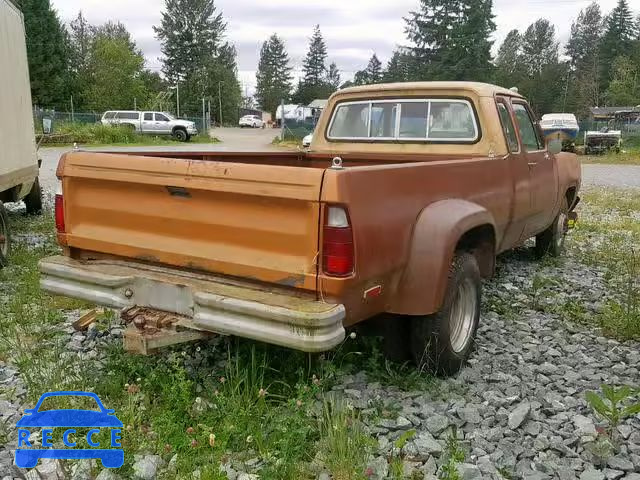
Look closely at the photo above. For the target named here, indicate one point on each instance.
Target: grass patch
(625, 157)
(286, 143)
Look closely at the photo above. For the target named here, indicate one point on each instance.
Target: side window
(148, 117)
(383, 120)
(413, 120)
(350, 121)
(161, 118)
(508, 128)
(530, 139)
(109, 115)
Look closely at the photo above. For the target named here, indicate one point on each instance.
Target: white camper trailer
(18, 157)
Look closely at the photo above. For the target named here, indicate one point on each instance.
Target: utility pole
(220, 100)
(135, 103)
(204, 124)
(72, 112)
(178, 99)
(209, 111)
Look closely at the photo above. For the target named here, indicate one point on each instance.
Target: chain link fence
(57, 119)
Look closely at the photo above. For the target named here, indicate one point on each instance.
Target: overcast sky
(353, 29)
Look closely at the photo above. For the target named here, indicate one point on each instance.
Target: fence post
(204, 125)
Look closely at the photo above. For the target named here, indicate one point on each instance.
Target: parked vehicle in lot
(391, 220)
(602, 141)
(152, 123)
(252, 121)
(18, 152)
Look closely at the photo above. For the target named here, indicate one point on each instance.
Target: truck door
(542, 174)
(519, 170)
(162, 124)
(148, 125)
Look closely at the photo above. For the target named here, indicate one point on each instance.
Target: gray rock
(47, 469)
(247, 476)
(469, 471)
(379, 468)
(620, 463)
(424, 442)
(82, 470)
(632, 476)
(584, 426)
(436, 424)
(146, 467)
(324, 476)
(519, 415)
(470, 415)
(592, 474)
(107, 474)
(612, 474)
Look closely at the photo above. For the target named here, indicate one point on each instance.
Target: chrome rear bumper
(212, 304)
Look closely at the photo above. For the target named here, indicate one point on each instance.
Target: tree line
(451, 40)
(101, 66)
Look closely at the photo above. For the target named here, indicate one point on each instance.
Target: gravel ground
(611, 175)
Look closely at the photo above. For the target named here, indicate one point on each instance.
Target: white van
(18, 157)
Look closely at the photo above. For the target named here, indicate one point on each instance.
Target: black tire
(551, 241)
(33, 201)
(180, 134)
(436, 342)
(5, 237)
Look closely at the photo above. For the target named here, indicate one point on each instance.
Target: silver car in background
(152, 123)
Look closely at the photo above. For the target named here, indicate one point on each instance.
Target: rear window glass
(128, 115)
(438, 120)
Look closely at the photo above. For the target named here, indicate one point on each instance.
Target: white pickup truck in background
(152, 123)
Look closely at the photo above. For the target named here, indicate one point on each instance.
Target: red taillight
(337, 243)
(59, 211)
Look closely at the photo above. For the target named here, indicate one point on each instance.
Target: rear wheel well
(480, 242)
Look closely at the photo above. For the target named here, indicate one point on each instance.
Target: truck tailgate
(246, 220)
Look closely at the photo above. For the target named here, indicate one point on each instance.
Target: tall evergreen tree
(196, 55)
(314, 65)
(191, 32)
(333, 77)
(274, 75)
(397, 69)
(80, 42)
(374, 70)
(624, 88)
(315, 83)
(617, 40)
(450, 39)
(509, 60)
(47, 52)
(545, 83)
(582, 49)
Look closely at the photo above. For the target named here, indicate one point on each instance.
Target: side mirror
(554, 145)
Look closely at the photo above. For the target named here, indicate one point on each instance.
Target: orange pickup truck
(406, 196)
